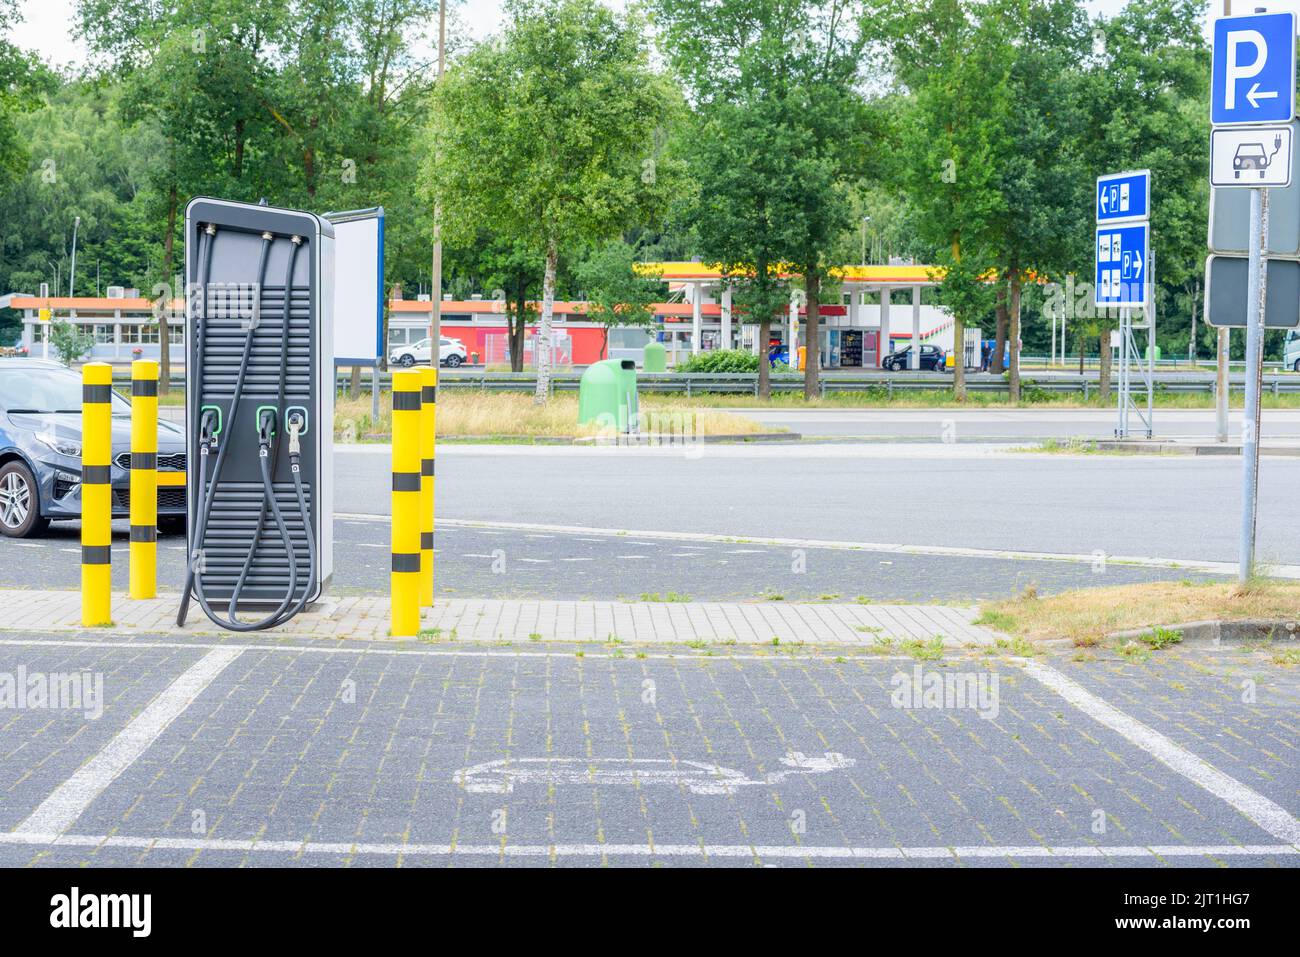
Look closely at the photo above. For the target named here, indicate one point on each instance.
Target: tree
(545, 138)
(69, 340)
(1144, 97)
(777, 136)
(953, 61)
(1044, 186)
(741, 218)
(617, 293)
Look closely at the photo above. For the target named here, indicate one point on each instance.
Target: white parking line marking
(70, 799)
(778, 851)
(1273, 818)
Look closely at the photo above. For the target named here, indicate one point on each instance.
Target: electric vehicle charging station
(259, 411)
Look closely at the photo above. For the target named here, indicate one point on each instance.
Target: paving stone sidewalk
(472, 619)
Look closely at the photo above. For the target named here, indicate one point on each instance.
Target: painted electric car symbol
(1252, 156)
(698, 777)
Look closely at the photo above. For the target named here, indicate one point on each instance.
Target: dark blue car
(40, 452)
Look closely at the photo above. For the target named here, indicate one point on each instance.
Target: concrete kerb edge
(1218, 632)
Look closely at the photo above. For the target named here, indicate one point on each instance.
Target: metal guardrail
(886, 383)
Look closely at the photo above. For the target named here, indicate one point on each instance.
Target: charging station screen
(358, 288)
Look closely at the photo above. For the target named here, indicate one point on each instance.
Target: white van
(1291, 350)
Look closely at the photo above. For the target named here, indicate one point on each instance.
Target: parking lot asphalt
(503, 562)
(231, 753)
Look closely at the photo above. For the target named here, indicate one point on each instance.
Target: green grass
(931, 650)
(671, 596)
(1158, 638)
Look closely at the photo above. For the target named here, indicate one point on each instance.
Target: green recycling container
(1147, 353)
(656, 358)
(607, 394)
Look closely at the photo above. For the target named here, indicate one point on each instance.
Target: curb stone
(1223, 632)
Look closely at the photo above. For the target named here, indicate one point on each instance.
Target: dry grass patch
(465, 413)
(1087, 615)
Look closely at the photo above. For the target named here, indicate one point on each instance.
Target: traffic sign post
(1122, 278)
(1121, 265)
(1124, 197)
(1252, 77)
(1226, 281)
(1256, 295)
(1252, 82)
(1250, 156)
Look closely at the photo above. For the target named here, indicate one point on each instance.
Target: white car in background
(1291, 350)
(451, 354)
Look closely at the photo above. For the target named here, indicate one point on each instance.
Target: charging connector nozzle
(294, 424)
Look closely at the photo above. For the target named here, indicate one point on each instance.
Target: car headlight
(68, 447)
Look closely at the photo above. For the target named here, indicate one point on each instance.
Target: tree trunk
(764, 366)
(542, 350)
(959, 358)
(812, 351)
(1103, 374)
(1000, 333)
(164, 335)
(516, 343)
(354, 386)
(1013, 338)
(516, 326)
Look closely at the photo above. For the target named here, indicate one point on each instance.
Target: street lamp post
(72, 271)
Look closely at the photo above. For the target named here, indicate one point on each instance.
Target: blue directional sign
(1122, 257)
(1122, 197)
(1252, 79)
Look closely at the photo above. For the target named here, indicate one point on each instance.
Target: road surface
(1163, 506)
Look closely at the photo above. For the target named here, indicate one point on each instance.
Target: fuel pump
(259, 411)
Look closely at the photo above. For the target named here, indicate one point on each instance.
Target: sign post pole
(1256, 293)
(1221, 386)
(1252, 106)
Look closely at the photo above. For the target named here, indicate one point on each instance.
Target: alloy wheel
(15, 500)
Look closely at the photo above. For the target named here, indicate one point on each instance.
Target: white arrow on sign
(1255, 96)
(1137, 267)
(1105, 201)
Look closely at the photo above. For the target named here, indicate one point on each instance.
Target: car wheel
(171, 524)
(453, 361)
(20, 504)
(406, 361)
(1297, 365)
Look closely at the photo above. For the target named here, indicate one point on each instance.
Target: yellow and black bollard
(144, 479)
(405, 578)
(96, 493)
(428, 409)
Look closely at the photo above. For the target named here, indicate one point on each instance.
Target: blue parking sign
(1123, 197)
(1252, 78)
(1122, 257)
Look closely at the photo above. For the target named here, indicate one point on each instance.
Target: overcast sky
(46, 24)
